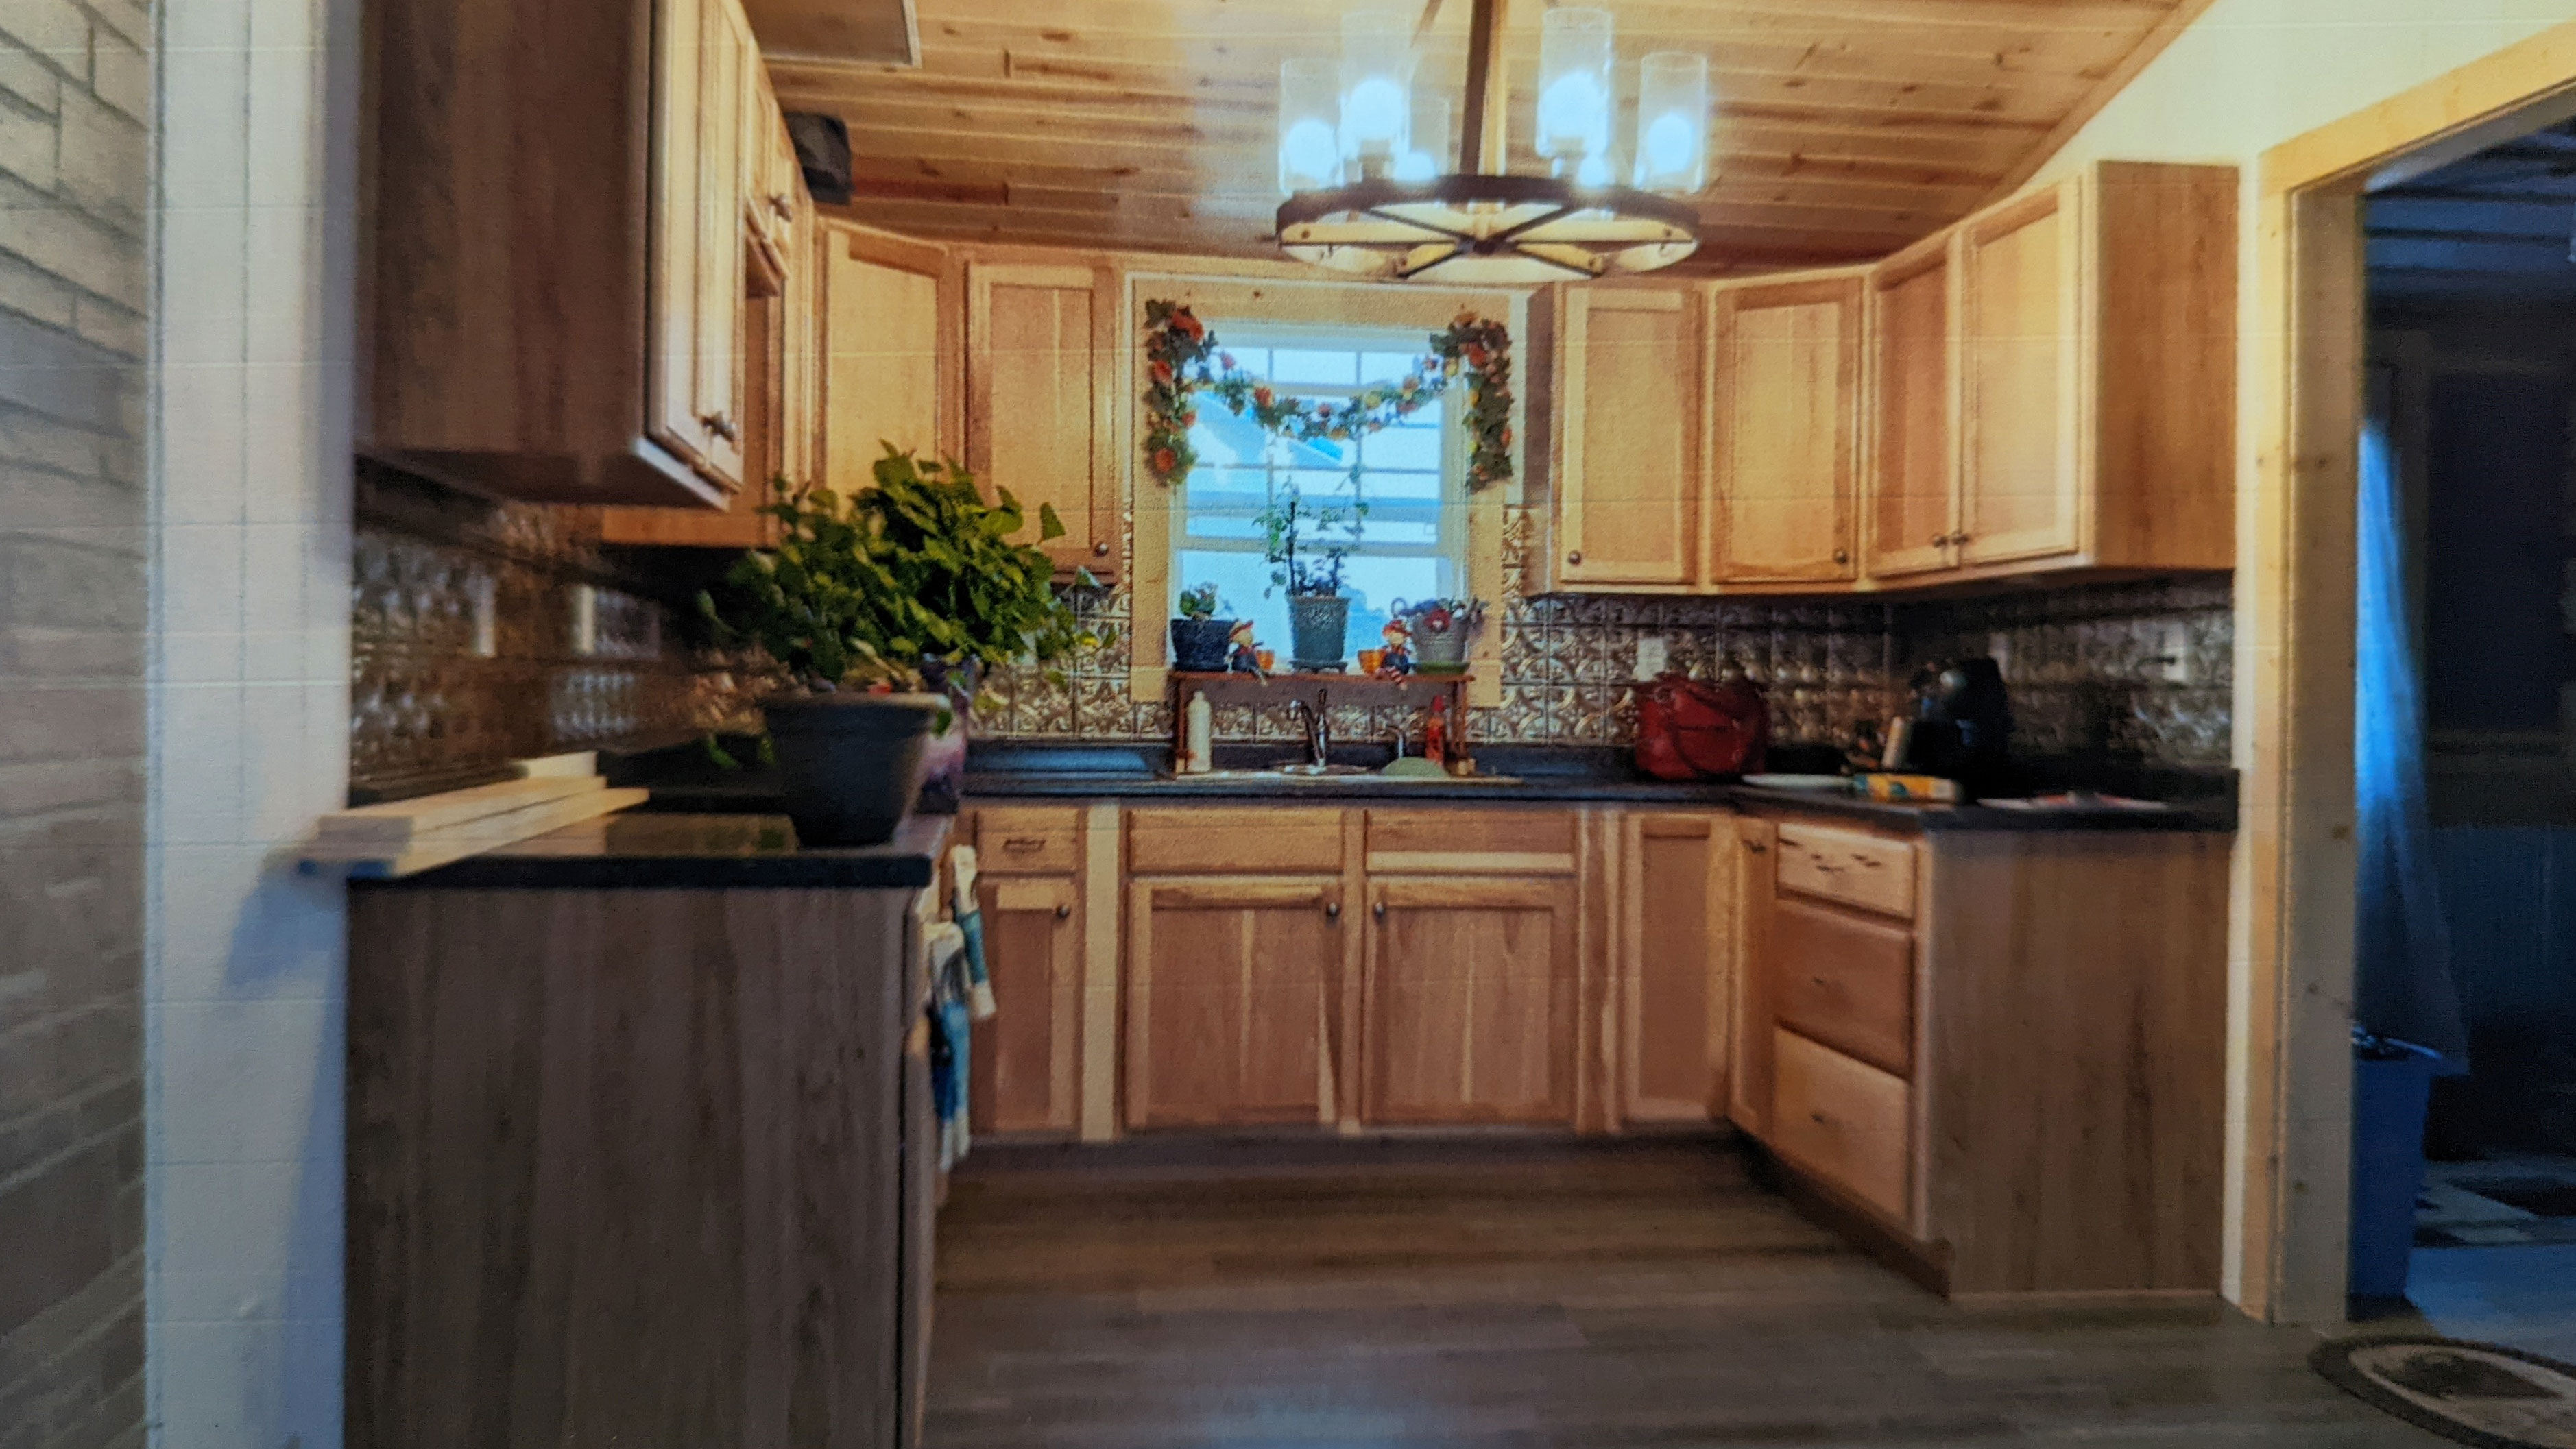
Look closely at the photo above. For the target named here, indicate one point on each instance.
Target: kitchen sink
(1335, 775)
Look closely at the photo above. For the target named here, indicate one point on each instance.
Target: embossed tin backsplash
(486, 632)
(2087, 665)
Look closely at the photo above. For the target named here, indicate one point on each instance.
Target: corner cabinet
(1629, 456)
(1042, 349)
(1784, 420)
(560, 266)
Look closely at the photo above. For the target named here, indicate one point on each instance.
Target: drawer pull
(1820, 981)
(1063, 912)
(1023, 844)
(1820, 1119)
(1332, 910)
(1379, 910)
(1754, 846)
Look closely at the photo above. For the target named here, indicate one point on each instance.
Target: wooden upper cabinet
(886, 351)
(1470, 1013)
(1784, 429)
(2022, 343)
(1042, 344)
(1226, 999)
(1629, 456)
(556, 274)
(1911, 505)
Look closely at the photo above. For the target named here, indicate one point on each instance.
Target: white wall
(2245, 77)
(244, 983)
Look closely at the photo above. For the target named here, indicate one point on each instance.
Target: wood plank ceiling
(1844, 128)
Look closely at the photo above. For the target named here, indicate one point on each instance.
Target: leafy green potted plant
(1198, 636)
(1319, 614)
(854, 599)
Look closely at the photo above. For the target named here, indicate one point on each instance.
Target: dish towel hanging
(961, 994)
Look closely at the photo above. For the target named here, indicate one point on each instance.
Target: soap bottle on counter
(1200, 735)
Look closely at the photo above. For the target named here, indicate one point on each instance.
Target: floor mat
(2470, 1393)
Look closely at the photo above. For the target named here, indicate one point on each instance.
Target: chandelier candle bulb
(1310, 146)
(1672, 123)
(1574, 95)
(1377, 91)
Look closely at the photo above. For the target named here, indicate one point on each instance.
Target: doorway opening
(2465, 745)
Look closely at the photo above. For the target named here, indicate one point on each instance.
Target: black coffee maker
(1962, 725)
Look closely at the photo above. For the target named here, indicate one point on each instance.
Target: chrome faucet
(1319, 735)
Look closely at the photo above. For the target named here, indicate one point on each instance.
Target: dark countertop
(2204, 801)
(664, 850)
(1545, 774)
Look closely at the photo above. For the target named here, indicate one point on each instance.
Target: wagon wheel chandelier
(1358, 149)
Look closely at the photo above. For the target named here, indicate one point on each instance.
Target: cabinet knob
(1755, 846)
(1100, 549)
(1958, 538)
(1575, 557)
(1063, 911)
(779, 202)
(1940, 540)
(1842, 555)
(1332, 910)
(1379, 910)
(1820, 1119)
(720, 424)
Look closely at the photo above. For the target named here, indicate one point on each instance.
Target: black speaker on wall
(823, 150)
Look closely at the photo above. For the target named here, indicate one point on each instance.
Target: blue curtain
(2404, 987)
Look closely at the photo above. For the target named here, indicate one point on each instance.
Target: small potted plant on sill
(855, 599)
(1441, 630)
(1319, 614)
(1198, 636)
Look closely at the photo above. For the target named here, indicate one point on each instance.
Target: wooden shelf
(1278, 689)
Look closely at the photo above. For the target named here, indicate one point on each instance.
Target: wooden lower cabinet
(2021, 1075)
(1678, 897)
(1471, 1000)
(1022, 1070)
(1227, 998)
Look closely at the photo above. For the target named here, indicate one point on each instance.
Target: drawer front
(1256, 840)
(1028, 839)
(1843, 1120)
(1845, 979)
(1472, 841)
(1868, 871)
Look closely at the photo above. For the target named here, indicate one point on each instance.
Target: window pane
(1376, 584)
(1388, 366)
(1227, 487)
(1240, 579)
(1318, 365)
(1403, 447)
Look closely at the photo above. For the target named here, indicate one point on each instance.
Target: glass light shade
(1310, 146)
(1431, 150)
(1672, 123)
(1574, 95)
(1377, 90)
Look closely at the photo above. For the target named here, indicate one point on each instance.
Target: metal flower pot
(1440, 651)
(1318, 628)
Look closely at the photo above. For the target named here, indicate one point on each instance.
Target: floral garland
(1182, 358)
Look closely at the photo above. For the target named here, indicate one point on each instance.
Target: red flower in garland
(1260, 396)
(1162, 372)
(1165, 460)
(1184, 321)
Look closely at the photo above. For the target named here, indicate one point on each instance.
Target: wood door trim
(1471, 862)
(1208, 891)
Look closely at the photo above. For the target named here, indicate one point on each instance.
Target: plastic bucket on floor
(2391, 1082)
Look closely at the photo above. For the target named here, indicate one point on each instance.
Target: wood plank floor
(1391, 1294)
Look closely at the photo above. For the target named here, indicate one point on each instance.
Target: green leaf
(1049, 526)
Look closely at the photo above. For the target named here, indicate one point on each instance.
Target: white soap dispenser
(1201, 735)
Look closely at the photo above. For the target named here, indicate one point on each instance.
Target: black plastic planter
(851, 764)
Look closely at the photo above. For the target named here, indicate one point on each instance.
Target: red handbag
(1688, 729)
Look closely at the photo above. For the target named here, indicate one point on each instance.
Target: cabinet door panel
(1748, 1100)
(1471, 1002)
(672, 411)
(1679, 891)
(1845, 1121)
(1786, 393)
(1845, 980)
(1629, 461)
(1023, 1073)
(881, 368)
(1914, 473)
(1039, 394)
(723, 97)
(2021, 483)
(1225, 1000)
